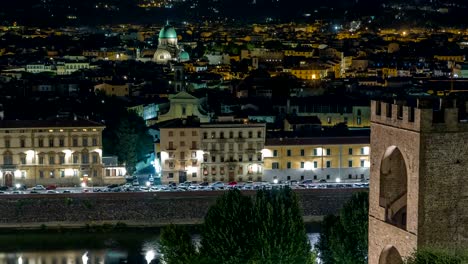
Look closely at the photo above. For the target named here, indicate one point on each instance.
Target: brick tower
(419, 178)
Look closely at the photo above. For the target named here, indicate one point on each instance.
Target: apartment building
(180, 152)
(330, 159)
(222, 151)
(64, 152)
(232, 151)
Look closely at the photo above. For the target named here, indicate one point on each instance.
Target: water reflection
(114, 250)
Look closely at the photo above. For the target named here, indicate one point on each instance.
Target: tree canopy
(343, 238)
(239, 229)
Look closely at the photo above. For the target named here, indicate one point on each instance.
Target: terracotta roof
(4, 124)
(316, 141)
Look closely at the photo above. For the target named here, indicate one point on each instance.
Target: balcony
(9, 166)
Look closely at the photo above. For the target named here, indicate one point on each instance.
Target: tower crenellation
(426, 115)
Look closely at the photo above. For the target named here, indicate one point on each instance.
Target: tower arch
(394, 187)
(390, 255)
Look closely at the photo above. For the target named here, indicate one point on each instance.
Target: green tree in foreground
(343, 238)
(176, 245)
(241, 230)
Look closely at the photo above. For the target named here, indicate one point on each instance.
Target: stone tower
(419, 172)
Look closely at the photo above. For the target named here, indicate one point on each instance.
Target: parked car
(307, 182)
(51, 187)
(204, 183)
(51, 191)
(217, 185)
(39, 188)
(66, 191)
(232, 184)
(136, 183)
(3, 188)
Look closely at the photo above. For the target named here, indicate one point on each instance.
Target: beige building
(330, 159)
(181, 155)
(211, 152)
(61, 152)
(232, 151)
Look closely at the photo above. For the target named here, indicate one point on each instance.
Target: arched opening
(390, 255)
(394, 187)
(8, 180)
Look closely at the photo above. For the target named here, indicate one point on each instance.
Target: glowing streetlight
(85, 258)
(149, 256)
(275, 181)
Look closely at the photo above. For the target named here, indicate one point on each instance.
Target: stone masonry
(419, 166)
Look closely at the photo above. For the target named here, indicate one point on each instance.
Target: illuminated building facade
(330, 159)
(232, 151)
(180, 151)
(211, 152)
(61, 152)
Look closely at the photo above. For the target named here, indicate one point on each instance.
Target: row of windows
(230, 146)
(214, 146)
(51, 173)
(51, 142)
(8, 159)
(240, 134)
(350, 176)
(182, 133)
(221, 158)
(46, 130)
(322, 152)
(328, 164)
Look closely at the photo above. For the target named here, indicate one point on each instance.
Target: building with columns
(63, 152)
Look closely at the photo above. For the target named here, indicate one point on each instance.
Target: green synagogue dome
(167, 32)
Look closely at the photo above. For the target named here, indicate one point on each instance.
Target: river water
(84, 248)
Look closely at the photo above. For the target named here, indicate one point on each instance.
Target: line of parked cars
(186, 186)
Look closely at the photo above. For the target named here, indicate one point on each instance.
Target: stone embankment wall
(139, 209)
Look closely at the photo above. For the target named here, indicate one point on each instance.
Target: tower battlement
(427, 115)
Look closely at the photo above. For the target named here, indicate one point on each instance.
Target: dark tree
(343, 239)
(227, 232)
(176, 245)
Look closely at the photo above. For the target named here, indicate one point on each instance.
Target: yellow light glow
(319, 151)
(68, 172)
(200, 154)
(308, 165)
(366, 164)
(51, 130)
(314, 76)
(365, 150)
(98, 151)
(267, 153)
(164, 156)
(191, 169)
